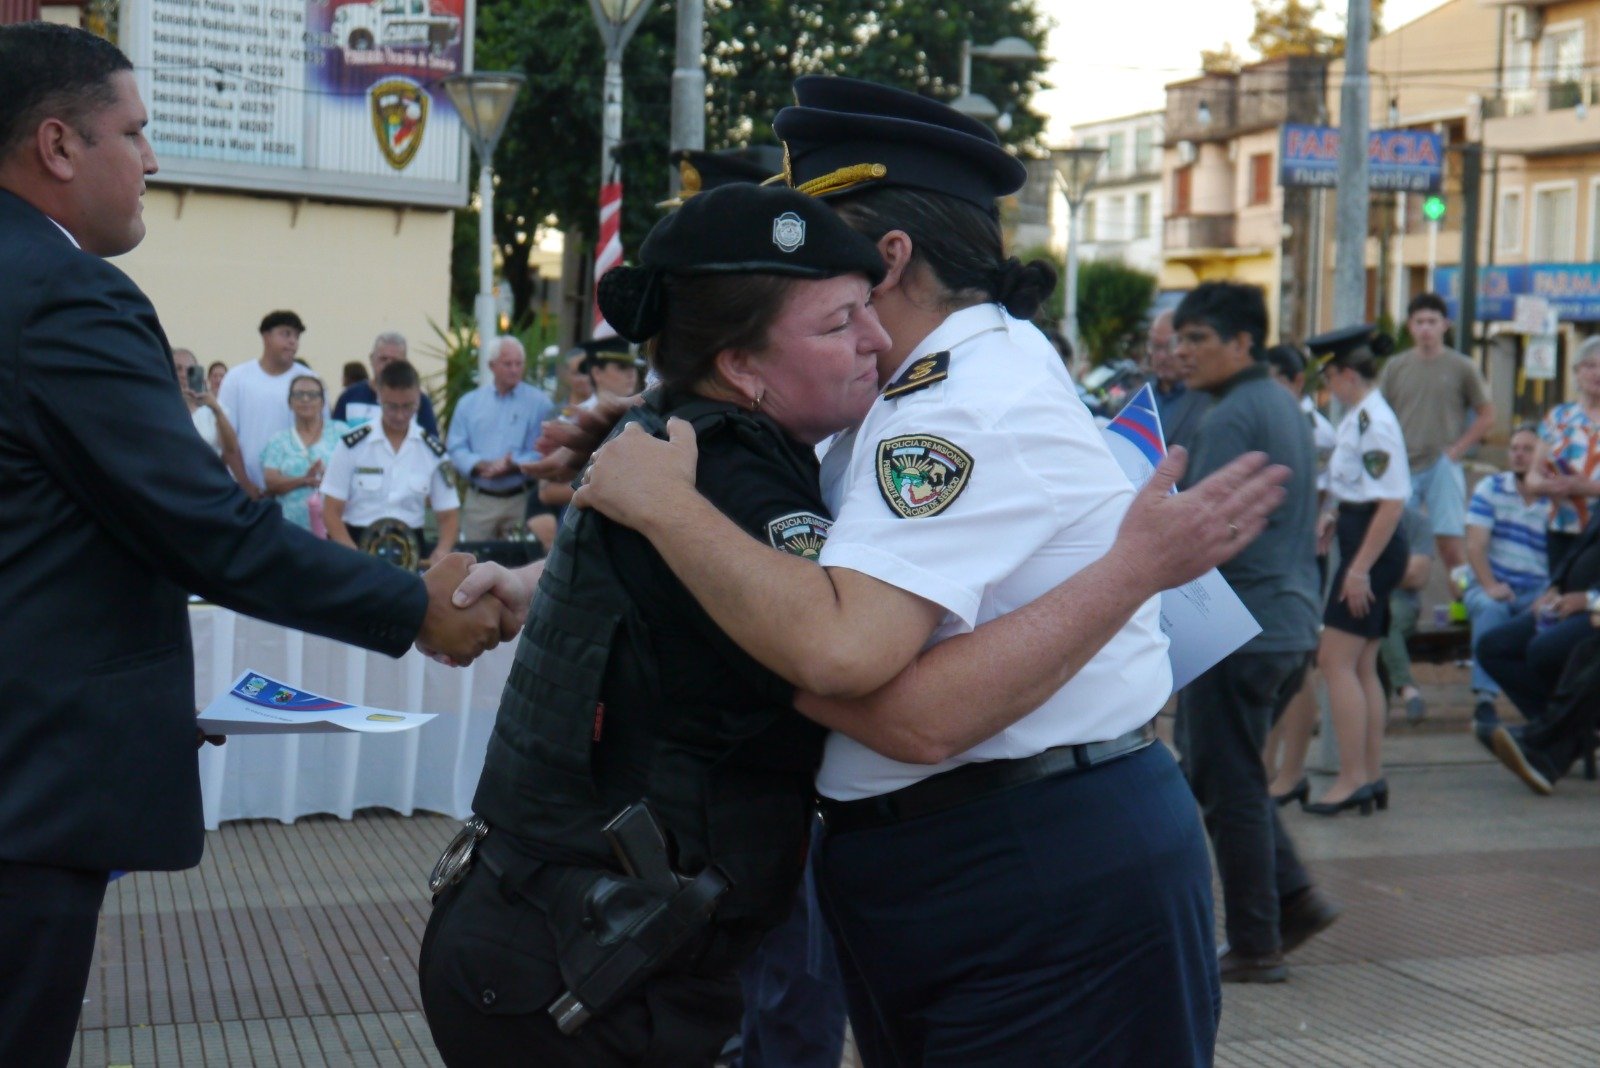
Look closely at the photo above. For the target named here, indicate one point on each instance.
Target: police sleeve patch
(434, 444)
(1362, 422)
(800, 533)
(920, 475)
(1376, 462)
(357, 436)
(920, 375)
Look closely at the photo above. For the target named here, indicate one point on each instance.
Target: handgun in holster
(617, 932)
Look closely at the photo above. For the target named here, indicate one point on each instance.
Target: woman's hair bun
(631, 301)
(1021, 287)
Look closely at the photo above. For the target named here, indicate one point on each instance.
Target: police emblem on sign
(399, 113)
(800, 533)
(920, 476)
(1376, 462)
(788, 231)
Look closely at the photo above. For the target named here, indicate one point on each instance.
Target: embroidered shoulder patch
(356, 436)
(921, 374)
(921, 475)
(1362, 422)
(1376, 462)
(800, 533)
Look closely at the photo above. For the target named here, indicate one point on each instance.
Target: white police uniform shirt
(1323, 439)
(1369, 457)
(981, 486)
(378, 482)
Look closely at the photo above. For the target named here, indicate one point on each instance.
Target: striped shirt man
(1516, 531)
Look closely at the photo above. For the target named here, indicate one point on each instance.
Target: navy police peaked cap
(734, 229)
(1349, 345)
(606, 350)
(699, 172)
(845, 135)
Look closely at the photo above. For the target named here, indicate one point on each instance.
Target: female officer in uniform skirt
(571, 939)
(1369, 479)
(1039, 894)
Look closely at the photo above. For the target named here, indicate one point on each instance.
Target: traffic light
(1433, 208)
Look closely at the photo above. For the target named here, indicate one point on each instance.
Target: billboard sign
(1571, 290)
(333, 98)
(1411, 160)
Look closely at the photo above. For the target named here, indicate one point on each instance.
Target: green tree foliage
(548, 160)
(1113, 300)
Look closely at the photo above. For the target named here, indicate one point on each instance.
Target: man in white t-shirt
(255, 395)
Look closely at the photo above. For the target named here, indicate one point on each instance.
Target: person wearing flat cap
(612, 369)
(977, 483)
(1370, 483)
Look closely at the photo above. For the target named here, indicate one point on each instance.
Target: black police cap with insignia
(1349, 345)
(734, 229)
(606, 350)
(845, 135)
(701, 172)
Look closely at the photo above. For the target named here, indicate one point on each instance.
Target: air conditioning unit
(1524, 23)
(1185, 152)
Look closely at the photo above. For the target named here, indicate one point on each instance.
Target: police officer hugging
(648, 787)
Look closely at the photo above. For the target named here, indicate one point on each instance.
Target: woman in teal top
(293, 461)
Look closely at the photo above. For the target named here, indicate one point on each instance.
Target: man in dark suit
(113, 507)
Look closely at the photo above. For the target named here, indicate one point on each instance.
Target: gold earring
(755, 405)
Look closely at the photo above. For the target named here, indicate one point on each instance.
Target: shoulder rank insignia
(1376, 462)
(357, 436)
(434, 444)
(920, 475)
(1363, 420)
(924, 372)
(800, 533)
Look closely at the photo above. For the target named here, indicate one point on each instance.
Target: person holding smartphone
(209, 418)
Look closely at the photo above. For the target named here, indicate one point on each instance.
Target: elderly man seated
(1506, 552)
(1544, 751)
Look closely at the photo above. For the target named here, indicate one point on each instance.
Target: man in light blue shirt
(491, 434)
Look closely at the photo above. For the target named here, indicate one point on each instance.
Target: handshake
(473, 607)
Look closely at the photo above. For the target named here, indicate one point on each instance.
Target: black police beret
(700, 172)
(846, 135)
(274, 319)
(1349, 345)
(739, 228)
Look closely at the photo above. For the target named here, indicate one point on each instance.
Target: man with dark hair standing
(255, 395)
(1269, 903)
(114, 507)
(1429, 386)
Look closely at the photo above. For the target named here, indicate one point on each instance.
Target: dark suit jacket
(111, 509)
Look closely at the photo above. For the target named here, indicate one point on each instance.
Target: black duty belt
(969, 782)
(1358, 507)
(519, 491)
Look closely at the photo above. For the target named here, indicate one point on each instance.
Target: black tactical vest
(732, 786)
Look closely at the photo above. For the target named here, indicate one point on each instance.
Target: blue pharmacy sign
(1573, 290)
(1412, 160)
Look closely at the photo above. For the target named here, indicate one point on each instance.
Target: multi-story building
(1226, 215)
(1120, 217)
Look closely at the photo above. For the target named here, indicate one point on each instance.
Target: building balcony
(1546, 119)
(1187, 232)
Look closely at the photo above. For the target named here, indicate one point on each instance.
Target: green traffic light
(1433, 208)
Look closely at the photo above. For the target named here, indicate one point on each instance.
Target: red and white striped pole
(608, 247)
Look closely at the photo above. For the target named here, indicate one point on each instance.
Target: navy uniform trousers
(1064, 922)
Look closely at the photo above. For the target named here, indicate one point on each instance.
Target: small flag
(1140, 423)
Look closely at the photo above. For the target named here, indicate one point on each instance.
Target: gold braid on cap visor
(843, 178)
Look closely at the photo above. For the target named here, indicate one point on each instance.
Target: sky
(1105, 64)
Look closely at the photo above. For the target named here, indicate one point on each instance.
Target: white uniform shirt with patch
(1369, 455)
(1012, 490)
(377, 482)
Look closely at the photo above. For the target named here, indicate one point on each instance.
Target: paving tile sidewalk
(1469, 937)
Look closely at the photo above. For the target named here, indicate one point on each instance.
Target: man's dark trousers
(1555, 741)
(48, 918)
(1223, 720)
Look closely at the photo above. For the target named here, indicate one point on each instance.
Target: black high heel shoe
(1380, 793)
(1361, 799)
(1300, 791)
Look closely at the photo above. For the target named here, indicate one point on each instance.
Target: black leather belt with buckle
(969, 782)
(519, 491)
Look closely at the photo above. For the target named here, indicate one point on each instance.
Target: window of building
(1261, 178)
(1144, 149)
(1086, 217)
(1141, 215)
(1561, 63)
(1509, 225)
(1594, 218)
(1554, 223)
(1115, 223)
(1182, 178)
(1116, 153)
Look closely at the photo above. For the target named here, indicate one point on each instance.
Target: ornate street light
(616, 19)
(1075, 170)
(1005, 50)
(483, 99)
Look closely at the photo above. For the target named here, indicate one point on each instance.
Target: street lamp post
(616, 19)
(1075, 169)
(1005, 50)
(483, 99)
